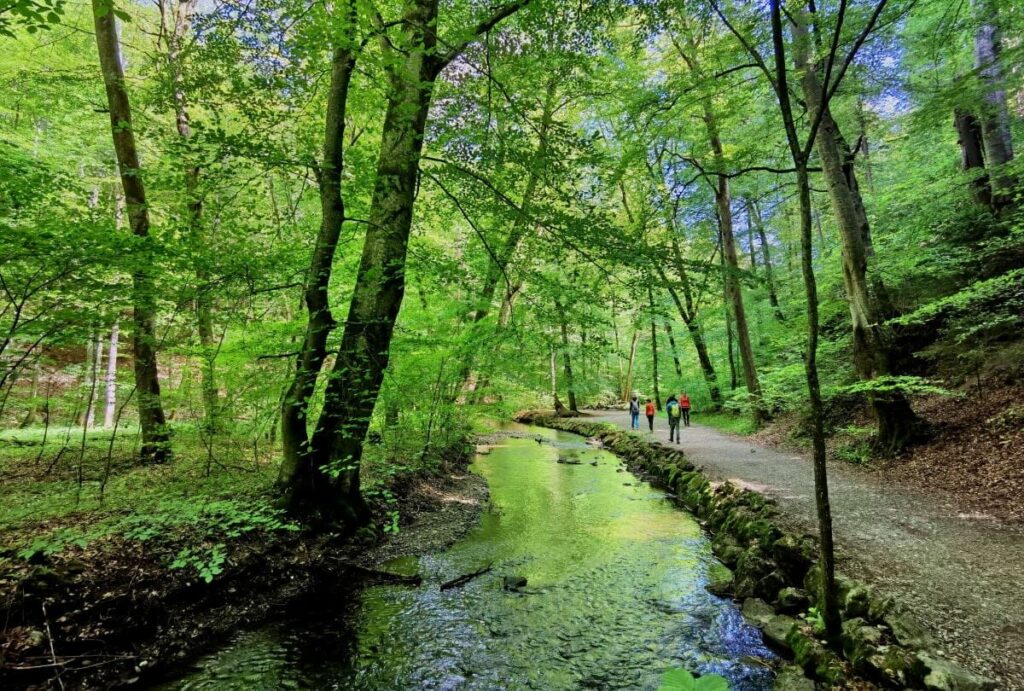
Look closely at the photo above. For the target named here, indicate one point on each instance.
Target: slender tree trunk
(734, 292)
(176, 37)
(751, 245)
(566, 356)
(89, 419)
(872, 350)
(699, 345)
(654, 348)
(995, 119)
(623, 393)
(766, 261)
(675, 351)
(627, 388)
(111, 382)
(723, 201)
(828, 597)
(296, 472)
(155, 436)
(30, 416)
(687, 309)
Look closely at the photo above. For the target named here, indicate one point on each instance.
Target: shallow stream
(614, 596)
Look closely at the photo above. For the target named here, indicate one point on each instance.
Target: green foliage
(208, 563)
(679, 679)
(890, 385)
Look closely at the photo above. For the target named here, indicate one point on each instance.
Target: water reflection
(614, 596)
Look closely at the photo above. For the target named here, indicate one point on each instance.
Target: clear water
(615, 596)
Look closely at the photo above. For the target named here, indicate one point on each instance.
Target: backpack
(673, 409)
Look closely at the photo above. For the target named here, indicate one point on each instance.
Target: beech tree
(155, 436)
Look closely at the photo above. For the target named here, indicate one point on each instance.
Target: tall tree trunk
(326, 481)
(828, 597)
(155, 436)
(675, 351)
(700, 346)
(687, 308)
(654, 347)
(297, 453)
(766, 260)
(111, 380)
(623, 392)
(723, 202)
(94, 375)
(175, 37)
(30, 416)
(751, 245)
(995, 119)
(627, 388)
(872, 349)
(567, 357)
(972, 153)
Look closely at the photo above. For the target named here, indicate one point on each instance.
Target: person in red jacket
(650, 410)
(684, 406)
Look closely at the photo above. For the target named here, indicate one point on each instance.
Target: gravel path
(962, 575)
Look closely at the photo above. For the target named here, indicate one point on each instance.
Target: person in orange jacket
(650, 410)
(684, 406)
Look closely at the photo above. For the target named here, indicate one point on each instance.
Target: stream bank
(579, 575)
(773, 573)
(114, 615)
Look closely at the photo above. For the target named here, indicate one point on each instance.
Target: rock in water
(720, 580)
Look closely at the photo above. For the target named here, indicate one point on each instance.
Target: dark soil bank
(117, 617)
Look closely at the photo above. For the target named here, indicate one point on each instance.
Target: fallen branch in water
(465, 578)
(380, 576)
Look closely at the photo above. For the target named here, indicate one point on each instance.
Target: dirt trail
(961, 575)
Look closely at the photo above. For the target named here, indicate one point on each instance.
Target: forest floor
(109, 610)
(959, 572)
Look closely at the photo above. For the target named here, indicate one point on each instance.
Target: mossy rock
(727, 548)
(721, 580)
(792, 678)
(795, 555)
(791, 600)
(757, 611)
(860, 642)
(857, 602)
(816, 660)
(908, 631)
(898, 666)
(756, 575)
(944, 675)
(776, 633)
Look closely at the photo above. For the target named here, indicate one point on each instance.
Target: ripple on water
(615, 596)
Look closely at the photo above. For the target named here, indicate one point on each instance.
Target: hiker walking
(634, 413)
(650, 410)
(684, 406)
(674, 414)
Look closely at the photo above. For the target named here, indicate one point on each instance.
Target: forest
(273, 273)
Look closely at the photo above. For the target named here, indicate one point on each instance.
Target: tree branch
(482, 28)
